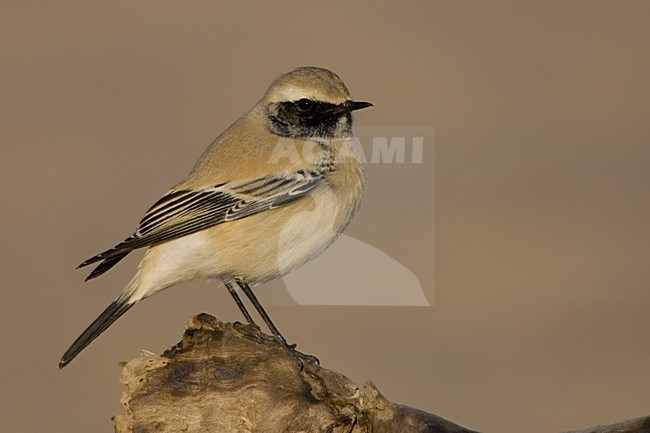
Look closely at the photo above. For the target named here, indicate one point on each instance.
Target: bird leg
(290, 347)
(233, 291)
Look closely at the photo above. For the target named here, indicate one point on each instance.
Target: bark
(231, 378)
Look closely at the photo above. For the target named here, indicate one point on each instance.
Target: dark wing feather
(183, 212)
(106, 265)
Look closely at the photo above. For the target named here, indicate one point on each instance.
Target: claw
(300, 356)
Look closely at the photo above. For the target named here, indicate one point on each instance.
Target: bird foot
(299, 356)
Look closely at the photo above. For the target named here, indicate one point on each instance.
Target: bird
(270, 193)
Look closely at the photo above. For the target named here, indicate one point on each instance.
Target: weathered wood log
(638, 425)
(226, 377)
(232, 378)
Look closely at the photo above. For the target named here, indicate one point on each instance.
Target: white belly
(307, 233)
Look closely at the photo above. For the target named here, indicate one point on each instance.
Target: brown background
(541, 109)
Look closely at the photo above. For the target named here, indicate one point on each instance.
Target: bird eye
(305, 104)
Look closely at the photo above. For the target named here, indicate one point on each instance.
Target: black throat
(309, 119)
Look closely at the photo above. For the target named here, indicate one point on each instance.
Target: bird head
(310, 102)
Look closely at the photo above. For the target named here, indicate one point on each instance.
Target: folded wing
(183, 212)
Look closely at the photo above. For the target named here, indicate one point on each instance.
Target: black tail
(110, 315)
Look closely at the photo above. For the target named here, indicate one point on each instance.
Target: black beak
(348, 106)
(357, 105)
